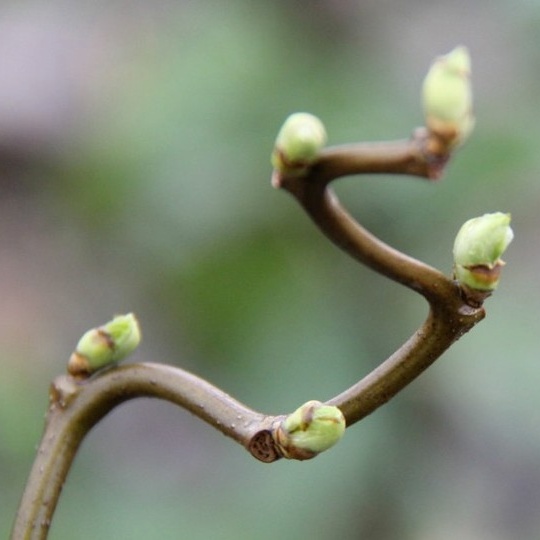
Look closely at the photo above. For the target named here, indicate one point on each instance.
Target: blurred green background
(134, 176)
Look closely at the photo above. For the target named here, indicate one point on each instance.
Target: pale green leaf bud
(478, 248)
(310, 430)
(105, 345)
(447, 97)
(298, 143)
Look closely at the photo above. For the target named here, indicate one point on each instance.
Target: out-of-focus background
(134, 176)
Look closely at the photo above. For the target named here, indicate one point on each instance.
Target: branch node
(62, 391)
(262, 446)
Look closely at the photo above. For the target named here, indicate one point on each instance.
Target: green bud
(298, 143)
(447, 97)
(478, 248)
(310, 430)
(105, 345)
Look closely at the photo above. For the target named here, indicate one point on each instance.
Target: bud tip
(105, 345)
(478, 248)
(298, 143)
(310, 430)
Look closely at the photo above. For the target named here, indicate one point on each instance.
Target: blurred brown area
(134, 176)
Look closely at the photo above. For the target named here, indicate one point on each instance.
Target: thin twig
(427, 344)
(76, 407)
(451, 313)
(324, 208)
(386, 157)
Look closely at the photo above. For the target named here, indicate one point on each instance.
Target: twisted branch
(75, 406)
(450, 315)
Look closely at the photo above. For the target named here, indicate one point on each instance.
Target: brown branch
(452, 313)
(394, 157)
(76, 407)
(321, 204)
(415, 156)
(439, 331)
(324, 208)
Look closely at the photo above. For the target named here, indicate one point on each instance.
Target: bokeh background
(134, 176)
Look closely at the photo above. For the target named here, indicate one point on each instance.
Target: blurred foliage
(134, 176)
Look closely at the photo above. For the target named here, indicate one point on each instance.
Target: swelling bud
(478, 248)
(105, 345)
(298, 143)
(447, 98)
(310, 430)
